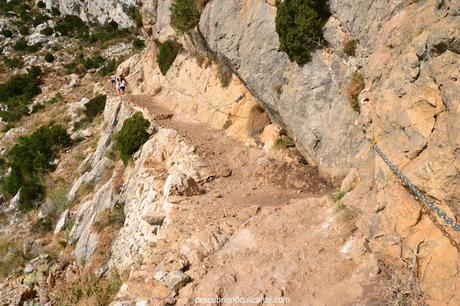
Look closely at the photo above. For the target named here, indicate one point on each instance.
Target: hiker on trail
(113, 80)
(122, 85)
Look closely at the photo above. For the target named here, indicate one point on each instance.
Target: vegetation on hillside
(184, 15)
(94, 107)
(17, 93)
(354, 88)
(31, 157)
(166, 56)
(132, 136)
(299, 26)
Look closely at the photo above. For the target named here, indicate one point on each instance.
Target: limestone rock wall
(101, 11)
(409, 55)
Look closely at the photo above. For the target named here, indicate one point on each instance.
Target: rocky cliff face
(100, 11)
(409, 56)
(210, 208)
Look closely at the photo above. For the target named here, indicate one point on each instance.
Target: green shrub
(8, 7)
(107, 33)
(30, 195)
(109, 67)
(132, 136)
(30, 157)
(38, 107)
(72, 26)
(224, 74)
(138, 44)
(354, 88)
(299, 24)
(94, 62)
(283, 142)
(80, 64)
(55, 11)
(135, 15)
(24, 30)
(6, 32)
(14, 62)
(94, 107)
(49, 57)
(41, 4)
(166, 56)
(184, 15)
(22, 46)
(48, 31)
(17, 93)
(39, 19)
(349, 47)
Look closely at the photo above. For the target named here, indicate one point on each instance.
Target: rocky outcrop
(93, 169)
(164, 163)
(101, 11)
(408, 53)
(307, 100)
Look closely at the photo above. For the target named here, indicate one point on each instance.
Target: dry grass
(201, 4)
(84, 190)
(227, 123)
(349, 46)
(88, 290)
(354, 88)
(224, 73)
(283, 142)
(107, 225)
(12, 255)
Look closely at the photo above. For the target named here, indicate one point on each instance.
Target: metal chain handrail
(414, 190)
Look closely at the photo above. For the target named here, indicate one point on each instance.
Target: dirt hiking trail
(262, 227)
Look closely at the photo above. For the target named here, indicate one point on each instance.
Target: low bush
(109, 31)
(49, 57)
(138, 44)
(21, 45)
(81, 65)
(88, 290)
(38, 107)
(55, 11)
(224, 74)
(166, 56)
(349, 47)
(115, 218)
(354, 88)
(6, 32)
(184, 15)
(132, 136)
(12, 255)
(94, 107)
(283, 142)
(41, 4)
(39, 19)
(109, 67)
(8, 7)
(135, 15)
(29, 158)
(72, 26)
(24, 30)
(48, 31)
(17, 93)
(299, 26)
(13, 62)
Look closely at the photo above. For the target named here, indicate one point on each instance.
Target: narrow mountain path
(262, 227)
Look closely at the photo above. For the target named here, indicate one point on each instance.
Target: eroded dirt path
(262, 227)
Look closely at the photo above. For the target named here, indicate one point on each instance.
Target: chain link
(415, 191)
